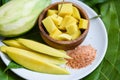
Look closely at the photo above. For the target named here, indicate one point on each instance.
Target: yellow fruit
(64, 36)
(65, 9)
(76, 13)
(56, 19)
(73, 30)
(83, 24)
(14, 43)
(49, 25)
(67, 21)
(51, 12)
(42, 48)
(31, 61)
(55, 34)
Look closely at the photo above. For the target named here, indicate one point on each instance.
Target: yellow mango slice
(51, 12)
(83, 24)
(49, 24)
(65, 9)
(76, 13)
(56, 19)
(14, 43)
(67, 20)
(32, 61)
(42, 48)
(73, 30)
(64, 36)
(55, 34)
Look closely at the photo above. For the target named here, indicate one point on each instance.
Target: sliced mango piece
(65, 9)
(56, 19)
(49, 24)
(67, 21)
(73, 30)
(64, 36)
(14, 43)
(32, 62)
(55, 34)
(51, 12)
(83, 24)
(76, 13)
(42, 48)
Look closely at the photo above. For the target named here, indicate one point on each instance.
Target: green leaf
(13, 65)
(110, 67)
(8, 75)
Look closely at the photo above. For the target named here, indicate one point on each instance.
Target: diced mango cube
(65, 9)
(51, 12)
(73, 30)
(76, 13)
(64, 36)
(49, 25)
(67, 20)
(83, 24)
(56, 19)
(55, 34)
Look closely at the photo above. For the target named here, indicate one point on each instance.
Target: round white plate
(97, 37)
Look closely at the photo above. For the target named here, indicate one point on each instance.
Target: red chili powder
(82, 56)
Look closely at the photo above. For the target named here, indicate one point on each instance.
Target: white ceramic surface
(97, 37)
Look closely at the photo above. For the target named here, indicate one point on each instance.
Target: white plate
(97, 37)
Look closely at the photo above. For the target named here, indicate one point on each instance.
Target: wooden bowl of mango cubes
(63, 25)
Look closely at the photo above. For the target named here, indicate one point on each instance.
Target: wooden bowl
(65, 45)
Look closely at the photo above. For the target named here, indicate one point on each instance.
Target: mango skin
(25, 59)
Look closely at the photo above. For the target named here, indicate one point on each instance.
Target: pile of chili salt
(82, 56)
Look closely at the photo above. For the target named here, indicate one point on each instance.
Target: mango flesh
(14, 43)
(83, 23)
(51, 12)
(55, 34)
(39, 47)
(65, 9)
(67, 15)
(49, 25)
(66, 21)
(56, 19)
(64, 36)
(73, 30)
(76, 13)
(32, 62)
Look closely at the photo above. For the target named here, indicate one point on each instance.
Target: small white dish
(97, 37)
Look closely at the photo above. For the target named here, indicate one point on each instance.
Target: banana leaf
(109, 69)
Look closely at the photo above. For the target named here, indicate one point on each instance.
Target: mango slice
(14, 43)
(64, 36)
(49, 24)
(32, 61)
(51, 12)
(73, 30)
(66, 21)
(56, 19)
(76, 13)
(39, 47)
(83, 23)
(65, 9)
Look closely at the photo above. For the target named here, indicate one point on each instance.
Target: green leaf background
(109, 69)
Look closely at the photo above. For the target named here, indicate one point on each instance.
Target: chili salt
(82, 56)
